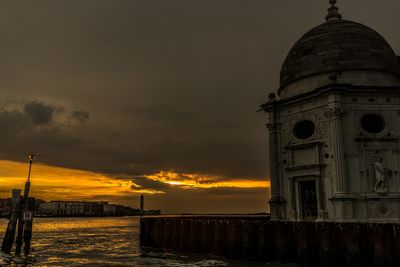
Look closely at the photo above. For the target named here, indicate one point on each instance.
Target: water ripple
(98, 242)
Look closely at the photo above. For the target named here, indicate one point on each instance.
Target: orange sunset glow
(57, 183)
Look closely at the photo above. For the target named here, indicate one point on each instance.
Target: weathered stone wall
(258, 239)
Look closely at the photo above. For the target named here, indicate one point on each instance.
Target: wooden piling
(9, 236)
(20, 232)
(28, 221)
(22, 210)
(255, 238)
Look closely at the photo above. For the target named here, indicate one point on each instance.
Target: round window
(304, 129)
(372, 123)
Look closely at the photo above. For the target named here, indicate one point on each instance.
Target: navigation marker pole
(29, 207)
(22, 213)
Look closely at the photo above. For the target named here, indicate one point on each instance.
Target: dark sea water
(99, 242)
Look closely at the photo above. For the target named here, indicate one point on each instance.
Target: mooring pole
(18, 240)
(28, 182)
(26, 216)
(29, 209)
(9, 236)
(28, 225)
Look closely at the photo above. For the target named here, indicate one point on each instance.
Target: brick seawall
(256, 238)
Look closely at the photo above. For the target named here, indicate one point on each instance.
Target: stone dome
(338, 46)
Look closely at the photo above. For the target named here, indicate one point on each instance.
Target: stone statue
(380, 186)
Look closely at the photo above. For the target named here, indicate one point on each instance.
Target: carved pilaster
(273, 126)
(276, 201)
(273, 157)
(335, 114)
(276, 204)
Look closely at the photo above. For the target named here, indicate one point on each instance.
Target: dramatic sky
(159, 97)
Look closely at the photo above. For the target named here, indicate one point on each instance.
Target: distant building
(87, 208)
(110, 209)
(334, 128)
(5, 205)
(72, 208)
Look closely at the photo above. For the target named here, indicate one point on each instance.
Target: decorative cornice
(304, 145)
(306, 167)
(329, 88)
(377, 139)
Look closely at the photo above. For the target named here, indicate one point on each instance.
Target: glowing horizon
(59, 183)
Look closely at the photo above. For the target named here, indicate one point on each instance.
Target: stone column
(341, 200)
(335, 114)
(276, 199)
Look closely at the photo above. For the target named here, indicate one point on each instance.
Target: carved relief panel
(381, 171)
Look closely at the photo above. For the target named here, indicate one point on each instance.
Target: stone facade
(72, 208)
(334, 133)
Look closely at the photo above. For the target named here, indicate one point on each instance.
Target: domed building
(334, 128)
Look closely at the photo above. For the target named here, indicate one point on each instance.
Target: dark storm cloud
(80, 115)
(163, 84)
(31, 129)
(39, 112)
(145, 183)
(163, 114)
(13, 122)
